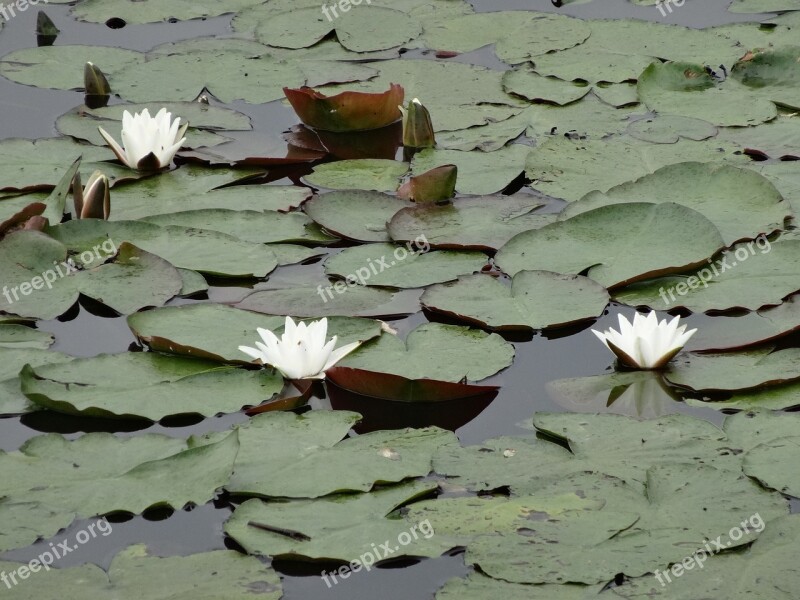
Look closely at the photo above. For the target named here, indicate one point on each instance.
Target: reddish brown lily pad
(432, 186)
(347, 111)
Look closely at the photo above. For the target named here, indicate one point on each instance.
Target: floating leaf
(361, 174)
(354, 214)
(308, 457)
(616, 244)
(347, 111)
(174, 330)
(435, 351)
(469, 223)
(396, 266)
(535, 300)
(144, 386)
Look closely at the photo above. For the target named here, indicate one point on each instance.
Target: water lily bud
(94, 200)
(46, 30)
(417, 126)
(94, 82)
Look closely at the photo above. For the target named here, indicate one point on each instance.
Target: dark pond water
(30, 113)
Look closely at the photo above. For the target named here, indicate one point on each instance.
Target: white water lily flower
(148, 143)
(301, 352)
(647, 343)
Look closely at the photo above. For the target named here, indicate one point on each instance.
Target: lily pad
(209, 252)
(668, 129)
(771, 74)
(44, 66)
(331, 299)
(307, 457)
(360, 28)
(478, 587)
(20, 337)
(535, 87)
(355, 215)
(134, 573)
(258, 227)
(115, 474)
(173, 329)
(570, 169)
(151, 11)
(479, 173)
(616, 244)
(750, 275)
(735, 370)
(340, 527)
(740, 202)
(12, 400)
(435, 351)
(144, 386)
(484, 223)
(193, 188)
(47, 281)
(535, 300)
(687, 89)
(360, 174)
(396, 266)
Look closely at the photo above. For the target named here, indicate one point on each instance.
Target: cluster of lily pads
(609, 161)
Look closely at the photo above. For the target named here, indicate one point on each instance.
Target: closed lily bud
(94, 82)
(94, 200)
(417, 126)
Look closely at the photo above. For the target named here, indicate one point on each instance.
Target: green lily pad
(735, 332)
(355, 215)
(134, 573)
(44, 66)
(193, 188)
(144, 387)
(236, 75)
(770, 442)
(488, 137)
(592, 61)
(740, 202)
(533, 86)
(152, 11)
(173, 329)
(341, 527)
(329, 300)
(435, 351)
(360, 29)
(584, 546)
(779, 397)
(751, 275)
(209, 252)
(99, 473)
(40, 164)
(765, 571)
(771, 74)
(20, 337)
(570, 169)
(775, 139)
(479, 173)
(360, 174)
(456, 94)
(589, 117)
(668, 129)
(484, 223)
(258, 227)
(626, 448)
(615, 244)
(397, 266)
(535, 300)
(518, 34)
(12, 400)
(203, 119)
(478, 587)
(735, 370)
(687, 89)
(307, 457)
(48, 284)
